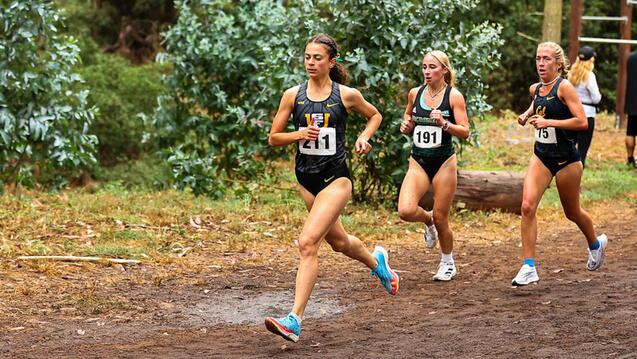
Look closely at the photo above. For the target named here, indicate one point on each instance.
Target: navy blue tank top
(551, 141)
(330, 115)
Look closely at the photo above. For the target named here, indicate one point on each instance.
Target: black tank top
(551, 141)
(330, 115)
(429, 140)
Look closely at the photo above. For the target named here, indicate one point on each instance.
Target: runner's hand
(310, 133)
(436, 115)
(362, 146)
(523, 118)
(539, 122)
(407, 126)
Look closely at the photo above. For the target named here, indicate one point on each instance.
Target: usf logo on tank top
(325, 143)
(329, 116)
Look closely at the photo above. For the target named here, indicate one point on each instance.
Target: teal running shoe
(288, 327)
(388, 278)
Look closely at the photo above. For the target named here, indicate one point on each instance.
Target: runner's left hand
(362, 146)
(538, 122)
(436, 115)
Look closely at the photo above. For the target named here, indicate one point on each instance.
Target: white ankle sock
(447, 258)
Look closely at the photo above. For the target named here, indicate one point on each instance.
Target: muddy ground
(136, 312)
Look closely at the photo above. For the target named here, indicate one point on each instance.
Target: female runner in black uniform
(556, 113)
(319, 109)
(435, 112)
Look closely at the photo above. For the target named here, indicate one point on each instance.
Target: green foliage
(147, 173)
(79, 18)
(384, 43)
(232, 61)
(129, 27)
(508, 85)
(522, 31)
(121, 91)
(229, 66)
(44, 119)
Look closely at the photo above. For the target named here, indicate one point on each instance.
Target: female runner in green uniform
(435, 112)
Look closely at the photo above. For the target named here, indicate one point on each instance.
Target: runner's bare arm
(407, 126)
(353, 99)
(459, 108)
(529, 111)
(278, 136)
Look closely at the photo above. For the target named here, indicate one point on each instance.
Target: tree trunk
(575, 29)
(624, 51)
(486, 190)
(552, 25)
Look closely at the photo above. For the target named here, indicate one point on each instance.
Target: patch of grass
(90, 304)
(507, 146)
(109, 250)
(38, 248)
(170, 227)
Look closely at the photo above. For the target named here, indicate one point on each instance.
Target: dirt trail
(571, 313)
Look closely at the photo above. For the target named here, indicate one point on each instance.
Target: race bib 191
(546, 135)
(427, 136)
(324, 145)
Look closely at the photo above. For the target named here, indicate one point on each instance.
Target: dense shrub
(233, 59)
(121, 92)
(44, 117)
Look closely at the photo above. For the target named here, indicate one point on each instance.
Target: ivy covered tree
(232, 60)
(44, 118)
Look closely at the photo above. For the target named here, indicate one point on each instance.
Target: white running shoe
(446, 271)
(596, 256)
(431, 236)
(526, 276)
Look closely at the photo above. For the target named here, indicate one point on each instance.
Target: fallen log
(78, 259)
(486, 190)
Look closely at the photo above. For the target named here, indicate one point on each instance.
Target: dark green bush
(232, 60)
(121, 91)
(45, 117)
(147, 173)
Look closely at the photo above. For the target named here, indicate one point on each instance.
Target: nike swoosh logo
(550, 98)
(561, 163)
(331, 105)
(301, 102)
(328, 179)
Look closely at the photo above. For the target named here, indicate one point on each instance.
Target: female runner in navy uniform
(556, 113)
(435, 112)
(319, 110)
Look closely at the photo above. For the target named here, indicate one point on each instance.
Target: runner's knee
(441, 220)
(572, 215)
(408, 213)
(528, 209)
(308, 246)
(338, 245)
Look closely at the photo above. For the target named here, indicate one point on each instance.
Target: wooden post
(577, 9)
(552, 25)
(624, 50)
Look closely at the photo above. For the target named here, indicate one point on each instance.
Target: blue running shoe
(388, 278)
(288, 327)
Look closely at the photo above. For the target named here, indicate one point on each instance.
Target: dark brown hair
(338, 73)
